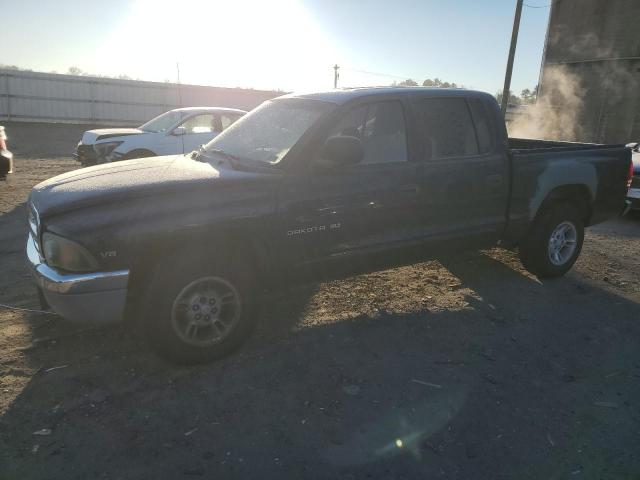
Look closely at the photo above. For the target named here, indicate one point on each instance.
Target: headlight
(63, 253)
(104, 149)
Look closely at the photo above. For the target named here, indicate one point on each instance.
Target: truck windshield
(267, 133)
(162, 122)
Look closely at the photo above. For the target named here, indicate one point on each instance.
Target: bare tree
(73, 70)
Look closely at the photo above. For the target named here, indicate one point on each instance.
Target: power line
(536, 6)
(374, 73)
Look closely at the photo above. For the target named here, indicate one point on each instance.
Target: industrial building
(591, 70)
(27, 96)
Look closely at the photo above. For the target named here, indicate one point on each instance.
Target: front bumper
(97, 298)
(85, 154)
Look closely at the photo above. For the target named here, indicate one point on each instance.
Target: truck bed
(540, 167)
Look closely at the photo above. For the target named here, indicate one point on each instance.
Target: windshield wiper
(235, 161)
(203, 152)
(222, 153)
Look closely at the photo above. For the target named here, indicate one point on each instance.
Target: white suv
(177, 131)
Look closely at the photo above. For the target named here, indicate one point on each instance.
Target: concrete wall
(595, 46)
(47, 97)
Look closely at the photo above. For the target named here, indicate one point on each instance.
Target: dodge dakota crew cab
(187, 244)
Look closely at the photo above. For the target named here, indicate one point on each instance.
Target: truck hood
(118, 181)
(92, 136)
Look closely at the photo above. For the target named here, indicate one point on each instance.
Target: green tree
(513, 100)
(409, 82)
(436, 82)
(529, 96)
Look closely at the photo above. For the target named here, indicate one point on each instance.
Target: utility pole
(179, 92)
(336, 75)
(512, 54)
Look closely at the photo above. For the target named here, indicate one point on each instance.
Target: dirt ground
(464, 368)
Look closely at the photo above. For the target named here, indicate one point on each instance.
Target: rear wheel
(554, 242)
(198, 311)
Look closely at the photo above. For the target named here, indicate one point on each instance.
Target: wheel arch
(231, 246)
(578, 195)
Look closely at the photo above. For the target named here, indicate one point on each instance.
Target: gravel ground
(457, 368)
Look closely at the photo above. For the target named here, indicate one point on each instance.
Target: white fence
(49, 97)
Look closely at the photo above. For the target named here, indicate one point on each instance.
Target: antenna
(180, 100)
(179, 92)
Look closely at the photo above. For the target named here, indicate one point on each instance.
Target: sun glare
(244, 43)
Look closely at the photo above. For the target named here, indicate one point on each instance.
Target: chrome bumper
(633, 199)
(97, 297)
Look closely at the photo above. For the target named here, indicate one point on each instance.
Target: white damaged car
(177, 131)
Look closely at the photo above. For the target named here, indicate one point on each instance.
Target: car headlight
(67, 255)
(104, 149)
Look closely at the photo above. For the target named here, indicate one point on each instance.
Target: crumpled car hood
(92, 136)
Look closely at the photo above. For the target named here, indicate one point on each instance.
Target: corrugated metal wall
(49, 97)
(596, 43)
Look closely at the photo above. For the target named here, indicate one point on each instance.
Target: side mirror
(342, 151)
(179, 131)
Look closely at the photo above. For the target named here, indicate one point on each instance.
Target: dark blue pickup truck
(186, 244)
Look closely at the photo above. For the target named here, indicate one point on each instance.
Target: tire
(138, 154)
(169, 318)
(554, 242)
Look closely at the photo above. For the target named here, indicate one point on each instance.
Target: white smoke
(555, 116)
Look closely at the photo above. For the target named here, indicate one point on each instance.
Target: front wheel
(554, 242)
(198, 311)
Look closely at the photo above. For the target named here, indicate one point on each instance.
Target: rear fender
(561, 179)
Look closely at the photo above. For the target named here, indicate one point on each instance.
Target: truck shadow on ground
(501, 373)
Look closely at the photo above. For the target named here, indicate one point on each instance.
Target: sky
(289, 45)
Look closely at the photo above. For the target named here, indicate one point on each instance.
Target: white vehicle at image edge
(174, 132)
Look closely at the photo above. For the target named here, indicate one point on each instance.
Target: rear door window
(448, 128)
(381, 128)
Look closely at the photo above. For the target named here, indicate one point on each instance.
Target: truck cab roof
(207, 109)
(342, 96)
